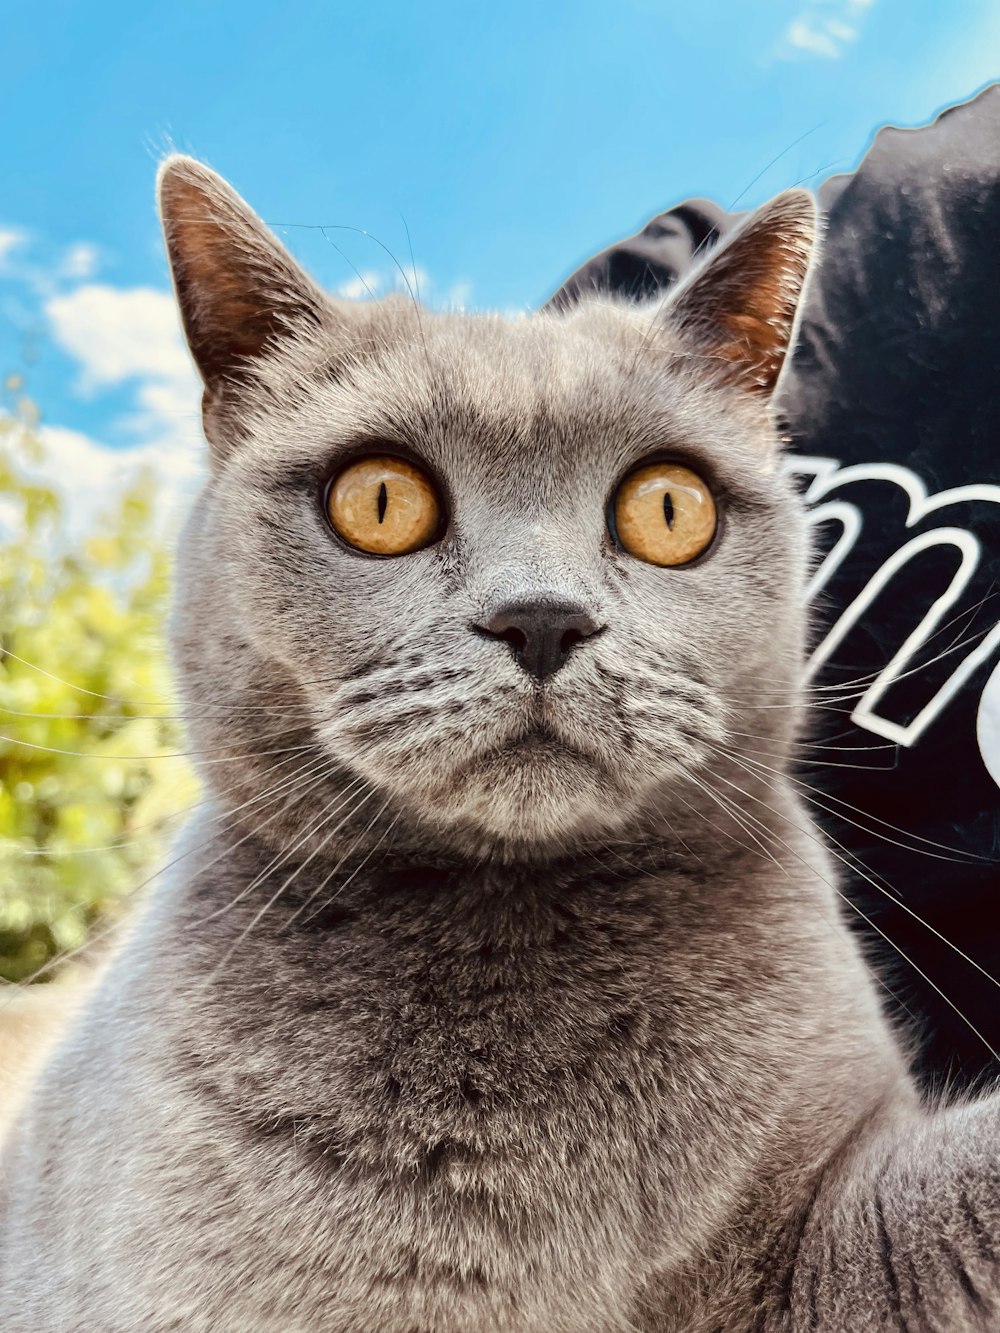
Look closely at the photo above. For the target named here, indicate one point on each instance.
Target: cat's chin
(531, 793)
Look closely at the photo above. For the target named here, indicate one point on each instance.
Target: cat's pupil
(383, 501)
(668, 509)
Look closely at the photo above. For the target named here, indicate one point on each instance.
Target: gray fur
(471, 1025)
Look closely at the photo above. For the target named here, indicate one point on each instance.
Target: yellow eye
(384, 506)
(665, 514)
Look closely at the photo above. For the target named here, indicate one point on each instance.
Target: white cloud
(457, 296)
(842, 31)
(99, 473)
(824, 28)
(410, 279)
(804, 35)
(118, 333)
(119, 338)
(45, 270)
(89, 477)
(10, 239)
(366, 283)
(121, 335)
(80, 261)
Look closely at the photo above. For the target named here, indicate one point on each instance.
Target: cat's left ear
(740, 306)
(238, 288)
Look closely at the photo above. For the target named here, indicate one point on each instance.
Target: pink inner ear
(213, 285)
(236, 285)
(756, 346)
(741, 307)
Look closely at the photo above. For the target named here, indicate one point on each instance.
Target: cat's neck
(623, 1048)
(471, 987)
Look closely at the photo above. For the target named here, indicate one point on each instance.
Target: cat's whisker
(153, 825)
(826, 763)
(350, 263)
(957, 644)
(612, 850)
(354, 873)
(136, 836)
(854, 863)
(237, 711)
(791, 705)
(805, 743)
(757, 850)
(745, 821)
(897, 900)
(736, 812)
(957, 855)
(414, 295)
(80, 689)
(765, 169)
(312, 826)
(815, 762)
(920, 972)
(159, 703)
(844, 692)
(100, 936)
(169, 754)
(259, 915)
(726, 833)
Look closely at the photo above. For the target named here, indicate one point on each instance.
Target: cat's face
(522, 676)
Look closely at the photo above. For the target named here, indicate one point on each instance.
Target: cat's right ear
(238, 288)
(738, 309)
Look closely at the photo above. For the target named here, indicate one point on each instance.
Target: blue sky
(514, 140)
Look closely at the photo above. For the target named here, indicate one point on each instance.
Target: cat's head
(510, 582)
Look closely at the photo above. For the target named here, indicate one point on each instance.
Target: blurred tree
(89, 776)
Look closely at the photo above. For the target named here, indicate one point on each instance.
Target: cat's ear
(740, 306)
(238, 288)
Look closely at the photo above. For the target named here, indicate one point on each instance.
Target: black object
(892, 403)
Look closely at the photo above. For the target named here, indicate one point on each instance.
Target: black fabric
(649, 262)
(892, 402)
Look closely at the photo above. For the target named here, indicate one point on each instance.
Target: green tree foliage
(90, 776)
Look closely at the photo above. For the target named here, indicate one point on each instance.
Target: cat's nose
(541, 633)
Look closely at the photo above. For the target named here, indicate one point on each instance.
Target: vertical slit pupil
(383, 501)
(668, 509)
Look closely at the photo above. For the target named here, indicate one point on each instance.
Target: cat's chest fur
(449, 1101)
(470, 1099)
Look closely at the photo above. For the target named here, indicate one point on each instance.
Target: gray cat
(503, 986)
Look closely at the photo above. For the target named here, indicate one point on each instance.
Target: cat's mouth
(534, 767)
(532, 784)
(539, 741)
